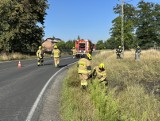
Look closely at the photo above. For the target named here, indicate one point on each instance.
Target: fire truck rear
(83, 47)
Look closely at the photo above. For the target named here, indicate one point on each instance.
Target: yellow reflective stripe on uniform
(101, 73)
(82, 63)
(84, 83)
(82, 71)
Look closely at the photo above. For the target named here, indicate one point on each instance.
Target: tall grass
(129, 94)
(76, 104)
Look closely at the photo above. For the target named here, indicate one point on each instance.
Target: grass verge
(13, 56)
(130, 94)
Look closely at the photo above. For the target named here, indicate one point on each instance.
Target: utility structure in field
(122, 26)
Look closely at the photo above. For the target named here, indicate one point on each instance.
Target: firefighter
(74, 51)
(84, 69)
(40, 55)
(100, 73)
(56, 54)
(137, 53)
(119, 52)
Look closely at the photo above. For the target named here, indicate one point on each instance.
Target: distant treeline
(141, 27)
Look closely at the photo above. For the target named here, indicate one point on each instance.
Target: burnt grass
(150, 87)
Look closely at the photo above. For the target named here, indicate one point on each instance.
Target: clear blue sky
(90, 19)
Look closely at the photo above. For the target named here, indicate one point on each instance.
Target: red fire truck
(83, 47)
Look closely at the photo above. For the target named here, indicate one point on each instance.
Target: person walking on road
(74, 51)
(56, 54)
(84, 69)
(137, 53)
(119, 52)
(40, 55)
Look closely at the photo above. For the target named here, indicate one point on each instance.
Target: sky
(90, 19)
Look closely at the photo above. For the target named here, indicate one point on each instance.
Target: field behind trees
(132, 94)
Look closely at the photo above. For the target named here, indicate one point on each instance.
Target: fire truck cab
(83, 47)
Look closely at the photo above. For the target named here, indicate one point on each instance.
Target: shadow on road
(60, 66)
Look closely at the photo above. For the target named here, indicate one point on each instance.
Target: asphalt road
(20, 87)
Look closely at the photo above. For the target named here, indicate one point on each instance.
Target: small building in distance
(49, 43)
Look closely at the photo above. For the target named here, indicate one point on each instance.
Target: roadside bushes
(12, 56)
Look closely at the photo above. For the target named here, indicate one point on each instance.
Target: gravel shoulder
(50, 110)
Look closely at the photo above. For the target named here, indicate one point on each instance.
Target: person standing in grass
(100, 73)
(56, 54)
(137, 53)
(40, 55)
(84, 69)
(119, 52)
(74, 52)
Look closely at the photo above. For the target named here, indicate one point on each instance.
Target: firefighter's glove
(94, 72)
(91, 76)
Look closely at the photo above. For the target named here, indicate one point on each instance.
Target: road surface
(20, 87)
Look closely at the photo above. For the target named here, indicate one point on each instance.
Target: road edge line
(33, 108)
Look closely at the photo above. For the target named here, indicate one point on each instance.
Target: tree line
(22, 26)
(19, 29)
(141, 27)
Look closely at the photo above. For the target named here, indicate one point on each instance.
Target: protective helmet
(119, 46)
(55, 47)
(101, 65)
(138, 46)
(40, 47)
(89, 56)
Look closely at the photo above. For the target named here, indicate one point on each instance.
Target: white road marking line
(31, 112)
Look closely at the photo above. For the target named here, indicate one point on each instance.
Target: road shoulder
(51, 100)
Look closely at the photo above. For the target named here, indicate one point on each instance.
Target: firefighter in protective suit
(56, 54)
(119, 52)
(137, 53)
(74, 51)
(40, 55)
(84, 69)
(100, 73)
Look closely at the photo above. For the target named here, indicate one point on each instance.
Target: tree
(18, 24)
(70, 44)
(61, 45)
(148, 27)
(111, 43)
(129, 24)
(78, 38)
(100, 45)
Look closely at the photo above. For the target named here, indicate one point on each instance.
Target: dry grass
(130, 95)
(13, 56)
